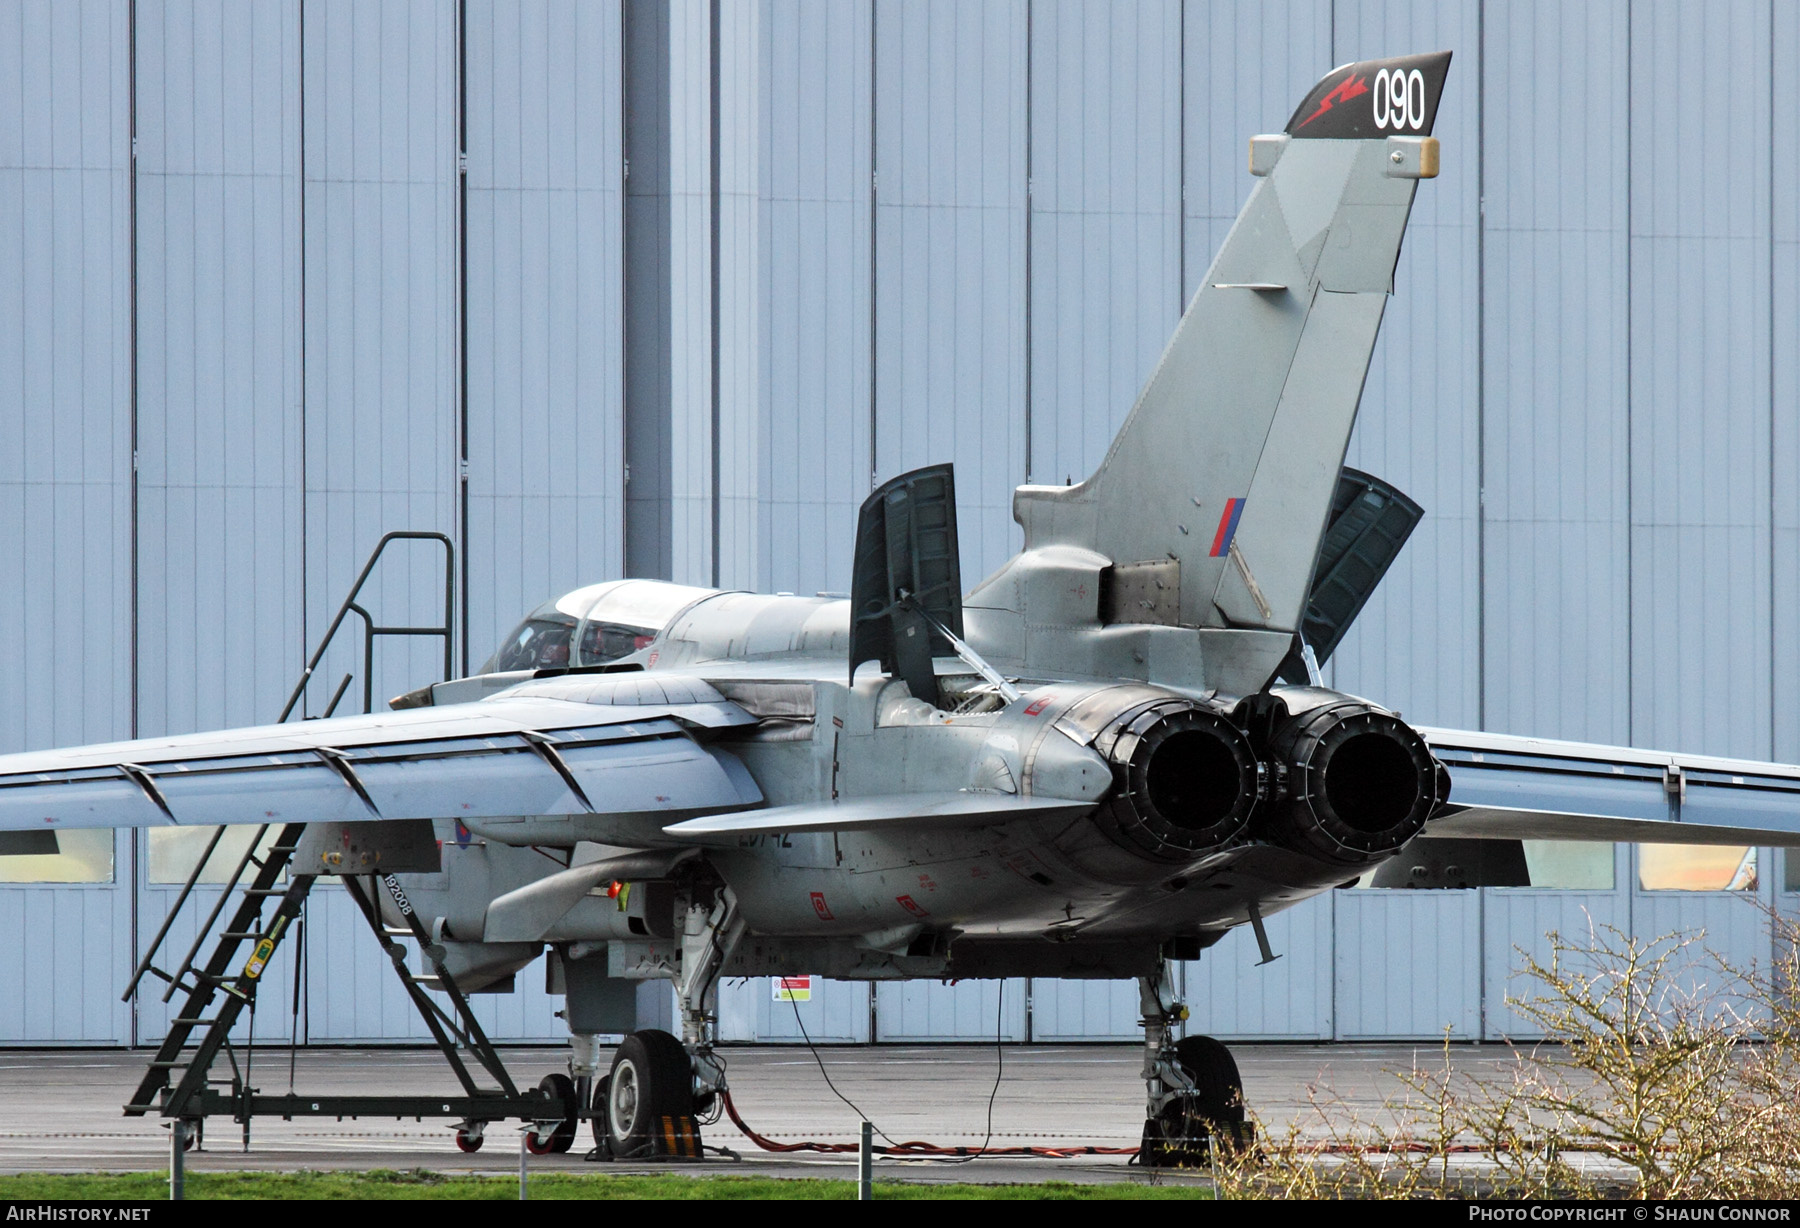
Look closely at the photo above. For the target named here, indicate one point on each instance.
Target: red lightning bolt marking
(1345, 90)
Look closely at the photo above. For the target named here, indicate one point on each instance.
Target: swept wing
(1513, 788)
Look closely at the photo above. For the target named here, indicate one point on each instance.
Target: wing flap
(1510, 788)
(899, 811)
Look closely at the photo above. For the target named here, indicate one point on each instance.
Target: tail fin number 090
(1399, 99)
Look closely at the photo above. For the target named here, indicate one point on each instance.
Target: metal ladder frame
(194, 1096)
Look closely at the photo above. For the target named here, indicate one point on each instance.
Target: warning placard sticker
(792, 988)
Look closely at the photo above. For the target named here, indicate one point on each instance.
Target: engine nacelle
(1186, 781)
(1360, 781)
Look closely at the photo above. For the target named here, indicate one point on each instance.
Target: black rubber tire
(597, 1112)
(561, 1089)
(651, 1078)
(1214, 1072)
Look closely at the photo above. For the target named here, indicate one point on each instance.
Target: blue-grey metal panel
(1084, 1010)
(218, 286)
(65, 464)
(810, 446)
(1105, 219)
(67, 956)
(1408, 964)
(740, 280)
(1232, 995)
(965, 1010)
(690, 296)
(381, 284)
(950, 87)
(836, 1013)
(1700, 366)
(1784, 329)
(546, 426)
(1517, 922)
(1246, 64)
(353, 995)
(65, 422)
(1416, 645)
(1555, 563)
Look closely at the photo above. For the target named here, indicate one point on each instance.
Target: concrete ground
(59, 1109)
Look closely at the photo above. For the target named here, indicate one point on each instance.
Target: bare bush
(1642, 1086)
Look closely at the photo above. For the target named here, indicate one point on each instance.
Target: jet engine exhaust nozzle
(1186, 781)
(1361, 783)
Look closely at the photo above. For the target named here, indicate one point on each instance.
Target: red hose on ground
(1393, 1146)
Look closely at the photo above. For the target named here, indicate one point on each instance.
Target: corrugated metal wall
(855, 238)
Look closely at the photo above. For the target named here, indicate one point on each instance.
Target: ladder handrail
(350, 601)
(370, 631)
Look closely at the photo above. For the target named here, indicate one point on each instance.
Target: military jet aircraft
(1102, 758)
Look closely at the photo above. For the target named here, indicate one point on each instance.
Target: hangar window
(175, 850)
(1570, 865)
(85, 856)
(1696, 867)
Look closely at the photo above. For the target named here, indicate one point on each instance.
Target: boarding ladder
(177, 1083)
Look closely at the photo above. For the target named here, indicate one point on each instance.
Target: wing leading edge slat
(487, 762)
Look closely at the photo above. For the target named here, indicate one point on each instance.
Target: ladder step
(170, 1064)
(241, 934)
(423, 980)
(191, 1021)
(282, 848)
(261, 892)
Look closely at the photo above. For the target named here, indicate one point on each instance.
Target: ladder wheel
(468, 1141)
(560, 1088)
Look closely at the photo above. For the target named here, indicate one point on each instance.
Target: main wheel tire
(561, 1089)
(651, 1079)
(1219, 1101)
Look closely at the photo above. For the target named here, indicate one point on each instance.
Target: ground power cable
(914, 1149)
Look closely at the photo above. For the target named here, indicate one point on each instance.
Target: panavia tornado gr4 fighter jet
(1102, 758)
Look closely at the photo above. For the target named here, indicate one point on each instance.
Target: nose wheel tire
(651, 1086)
(560, 1088)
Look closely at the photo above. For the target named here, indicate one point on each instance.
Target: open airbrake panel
(1370, 521)
(906, 577)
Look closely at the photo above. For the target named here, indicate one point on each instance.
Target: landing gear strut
(1195, 1097)
(648, 1105)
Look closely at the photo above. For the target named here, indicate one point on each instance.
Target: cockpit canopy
(593, 625)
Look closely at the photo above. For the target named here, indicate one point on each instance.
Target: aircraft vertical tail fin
(1223, 474)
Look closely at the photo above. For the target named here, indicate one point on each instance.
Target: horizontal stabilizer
(29, 844)
(901, 811)
(1511, 788)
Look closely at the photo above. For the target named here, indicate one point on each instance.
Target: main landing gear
(1195, 1096)
(650, 1103)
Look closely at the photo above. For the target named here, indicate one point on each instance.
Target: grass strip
(422, 1183)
